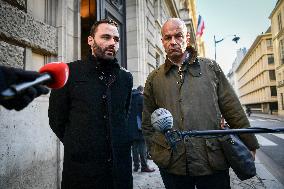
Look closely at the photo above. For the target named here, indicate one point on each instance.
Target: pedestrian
(11, 76)
(139, 151)
(248, 111)
(89, 116)
(197, 93)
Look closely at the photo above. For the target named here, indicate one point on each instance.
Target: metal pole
(218, 41)
(174, 136)
(230, 131)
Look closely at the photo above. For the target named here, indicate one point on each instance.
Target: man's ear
(91, 41)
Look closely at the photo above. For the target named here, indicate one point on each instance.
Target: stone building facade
(35, 32)
(256, 76)
(277, 30)
(231, 75)
(144, 20)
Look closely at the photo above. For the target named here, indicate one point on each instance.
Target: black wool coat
(89, 116)
(136, 109)
(2, 79)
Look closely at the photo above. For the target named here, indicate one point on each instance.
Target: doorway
(93, 10)
(88, 18)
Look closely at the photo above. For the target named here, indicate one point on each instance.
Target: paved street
(263, 181)
(271, 152)
(269, 161)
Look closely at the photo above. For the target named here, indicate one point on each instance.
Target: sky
(224, 18)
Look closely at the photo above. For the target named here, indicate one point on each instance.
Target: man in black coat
(89, 116)
(139, 154)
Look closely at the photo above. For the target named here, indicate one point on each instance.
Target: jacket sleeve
(149, 106)
(58, 111)
(140, 105)
(2, 79)
(232, 110)
(128, 102)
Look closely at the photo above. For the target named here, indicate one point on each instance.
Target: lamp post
(235, 39)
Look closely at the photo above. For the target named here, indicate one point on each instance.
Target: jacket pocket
(160, 150)
(216, 156)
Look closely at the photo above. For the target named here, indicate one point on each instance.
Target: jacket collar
(102, 63)
(190, 59)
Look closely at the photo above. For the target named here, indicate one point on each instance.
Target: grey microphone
(162, 120)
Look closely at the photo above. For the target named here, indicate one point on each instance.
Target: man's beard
(102, 52)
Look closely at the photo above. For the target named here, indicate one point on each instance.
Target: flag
(200, 26)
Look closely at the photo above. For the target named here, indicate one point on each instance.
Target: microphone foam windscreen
(162, 120)
(59, 72)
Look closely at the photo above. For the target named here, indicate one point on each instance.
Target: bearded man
(89, 116)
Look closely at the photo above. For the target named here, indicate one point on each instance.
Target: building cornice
(279, 34)
(262, 101)
(255, 76)
(275, 8)
(256, 89)
(279, 67)
(257, 40)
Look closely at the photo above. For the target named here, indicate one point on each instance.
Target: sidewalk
(268, 116)
(263, 180)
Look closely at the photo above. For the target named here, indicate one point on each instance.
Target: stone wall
(143, 22)
(21, 28)
(11, 55)
(32, 33)
(28, 155)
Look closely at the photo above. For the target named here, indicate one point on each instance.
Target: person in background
(10, 76)
(89, 116)
(248, 111)
(196, 92)
(139, 151)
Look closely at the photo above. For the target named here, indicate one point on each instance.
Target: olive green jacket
(197, 95)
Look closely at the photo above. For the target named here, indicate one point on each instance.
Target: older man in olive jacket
(89, 116)
(197, 93)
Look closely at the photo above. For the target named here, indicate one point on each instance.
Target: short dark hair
(140, 88)
(96, 24)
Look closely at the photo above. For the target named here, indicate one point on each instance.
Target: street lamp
(235, 39)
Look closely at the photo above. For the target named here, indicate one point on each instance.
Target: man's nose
(173, 40)
(113, 41)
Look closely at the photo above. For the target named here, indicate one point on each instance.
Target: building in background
(277, 30)
(200, 47)
(231, 75)
(256, 76)
(144, 20)
(35, 32)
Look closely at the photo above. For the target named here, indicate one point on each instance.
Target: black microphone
(54, 75)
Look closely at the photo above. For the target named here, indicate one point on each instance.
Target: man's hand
(9, 76)
(253, 153)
